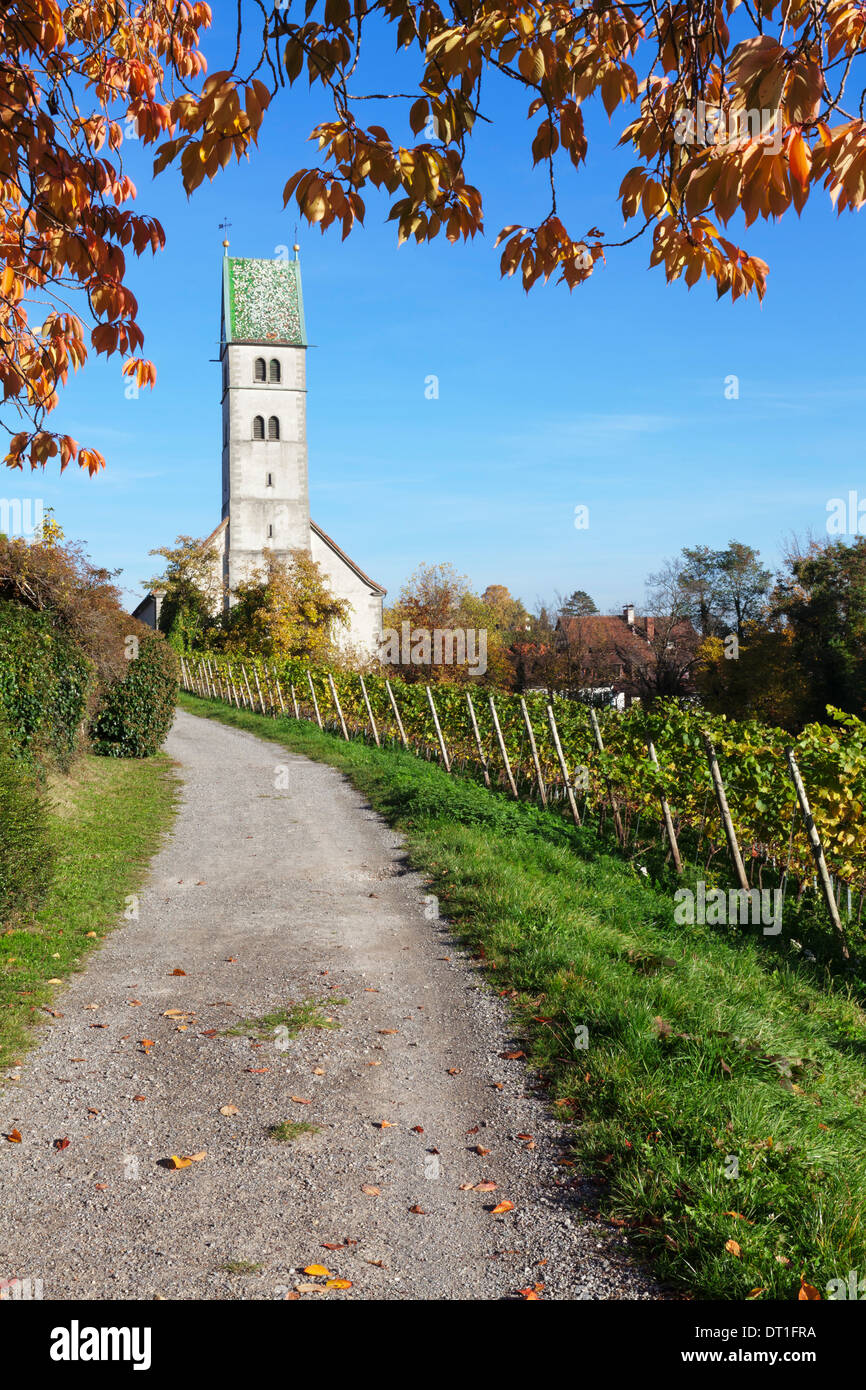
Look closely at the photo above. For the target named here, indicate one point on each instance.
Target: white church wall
(366, 626)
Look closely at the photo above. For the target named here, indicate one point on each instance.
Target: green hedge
(25, 847)
(137, 712)
(45, 680)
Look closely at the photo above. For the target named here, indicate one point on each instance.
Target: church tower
(265, 498)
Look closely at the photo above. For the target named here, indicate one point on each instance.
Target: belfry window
(259, 427)
(273, 428)
(259, 373)
(274, 370)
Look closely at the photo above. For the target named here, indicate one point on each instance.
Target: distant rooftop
(262, 301)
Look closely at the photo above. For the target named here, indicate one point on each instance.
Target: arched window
(274, 370)
(273, 428)
(259, 427)
(259, 373)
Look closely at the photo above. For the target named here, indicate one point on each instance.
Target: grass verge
(287, 1131)
(309, 1013)
(107, 818)
(714, 1085)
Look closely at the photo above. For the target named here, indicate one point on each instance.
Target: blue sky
(612, 397)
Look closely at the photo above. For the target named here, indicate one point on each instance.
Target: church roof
(329, 541)
(262, 301)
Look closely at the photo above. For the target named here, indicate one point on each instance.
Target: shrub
(136, 713)
(25, 848)
(45, 680)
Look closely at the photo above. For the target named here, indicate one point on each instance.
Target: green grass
(309, 1013)
(107, 819)
(709, 1050)
(288, 1130)
(239, 1267)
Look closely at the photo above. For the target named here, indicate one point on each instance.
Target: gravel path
(279, 883)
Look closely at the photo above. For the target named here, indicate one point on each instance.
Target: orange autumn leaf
(318, 1270)
(14, 1136)
(502, 1207)
(807, 1291)
(733, 1248)
(338, 1284)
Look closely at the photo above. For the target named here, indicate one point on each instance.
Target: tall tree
(742, 586)
(697, 578)
(822, 597)
(577, 605)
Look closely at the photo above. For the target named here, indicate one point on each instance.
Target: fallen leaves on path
(229, 1110)
(385, 1031)
(178, 971)
(338, 1284)
(139, 1097)
(417, 1129)
(501, 1207)
(479, 1149)
(384, 1124)
(61, 1143)
(184, 1160)
(14, 1136)
(419, 1211)
(257, 1069)
(299, 1100)
(370, 1190)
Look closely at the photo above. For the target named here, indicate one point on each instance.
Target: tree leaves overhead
(76, 80)
(750, 117)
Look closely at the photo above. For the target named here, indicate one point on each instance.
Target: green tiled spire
(262, 302)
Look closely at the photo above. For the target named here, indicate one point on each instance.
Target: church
(265, 494)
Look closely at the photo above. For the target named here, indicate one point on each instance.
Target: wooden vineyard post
(620, 834)
(502, 749)
(563, 766)
(442, 749)
(478, 744)
(315, 701)
(279, 692)
(403, 737)
(534, 750)
(369, 711)
(259, 689)
(247, 684)
(817, 849)
(666, 812)
(727, 822)
(294, 701)
(182, 675)
(335, 697)
(234, 688)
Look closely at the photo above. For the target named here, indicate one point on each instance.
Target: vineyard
(671, 785)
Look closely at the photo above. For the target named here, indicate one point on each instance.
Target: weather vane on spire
(224, 228)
